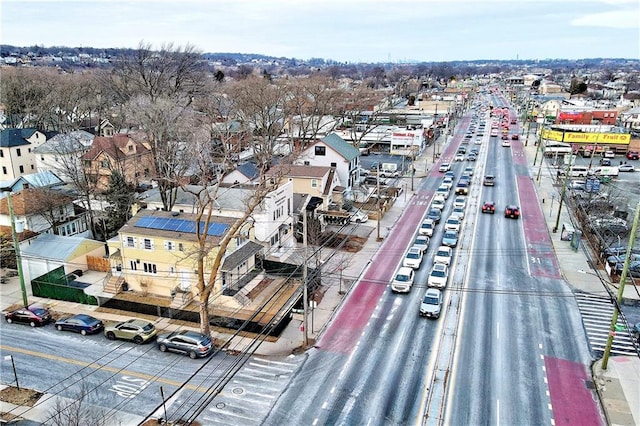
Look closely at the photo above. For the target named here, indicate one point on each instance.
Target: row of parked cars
(139, 331)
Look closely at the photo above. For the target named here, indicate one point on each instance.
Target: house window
(306, 163)
(134, 265)
(172, 270)
(21, 169)
(180, 247)
(2, 153)
(314, 183)
(334, 165)
(147, 244)
(73, 227)
(150, 268)
(61, 211)
(130, 242)
(32, 167)
(321, 150)
(130, 148)
(4, 170)
(104, 164)
(169, 245)
(18, 152)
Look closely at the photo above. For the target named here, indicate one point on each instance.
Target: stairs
(114, 284)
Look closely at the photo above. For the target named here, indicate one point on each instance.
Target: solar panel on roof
(180, 225)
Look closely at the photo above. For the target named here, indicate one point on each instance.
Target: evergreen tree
(120, 196)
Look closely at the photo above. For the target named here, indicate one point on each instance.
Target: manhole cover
(237, 391)
(220, 405)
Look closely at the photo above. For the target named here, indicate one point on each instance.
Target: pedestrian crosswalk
(596, 314)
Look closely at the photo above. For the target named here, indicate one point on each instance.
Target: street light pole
(623, 278)
(16, 245)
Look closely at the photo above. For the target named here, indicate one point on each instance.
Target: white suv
(438, 276)
(443, 255)
(438, 202)
(431, 304)
(427, 227)
(413, 258)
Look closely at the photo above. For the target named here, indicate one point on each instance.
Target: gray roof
(15, 137)
(240, 255)
(342, 147)
(65, 143)
(249, 170)
(227, 198)
(55, 247)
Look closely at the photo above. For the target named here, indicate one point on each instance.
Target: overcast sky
(343, 30)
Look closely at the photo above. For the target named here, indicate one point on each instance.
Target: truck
(389, 170)
(609, 171)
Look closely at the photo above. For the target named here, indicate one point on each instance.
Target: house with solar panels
(156, 252)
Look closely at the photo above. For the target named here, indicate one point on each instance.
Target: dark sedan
(80, 323)
(33, 315)
(188, 342)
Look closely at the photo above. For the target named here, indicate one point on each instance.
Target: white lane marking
(498, 412)
(498, 330)
(540, 345)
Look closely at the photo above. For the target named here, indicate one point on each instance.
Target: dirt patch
(258, 288)
(22, 396)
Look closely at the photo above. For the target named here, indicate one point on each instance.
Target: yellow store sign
(588, 138)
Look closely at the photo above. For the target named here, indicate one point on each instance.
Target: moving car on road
(489, 180)
(489, 207)
(627, 168)
(512, 211)
(431, 304)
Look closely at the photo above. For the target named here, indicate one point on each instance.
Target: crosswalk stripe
(596, 312)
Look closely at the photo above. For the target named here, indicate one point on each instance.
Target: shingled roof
(15, 137)
(33, 201)
(114, 147)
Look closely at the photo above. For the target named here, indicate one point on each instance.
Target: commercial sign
(585, 137)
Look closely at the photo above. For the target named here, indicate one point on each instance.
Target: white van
(575, 171)
(610, 171)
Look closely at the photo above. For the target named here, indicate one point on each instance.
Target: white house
(62, 153)
(333, 151)
(16, 152)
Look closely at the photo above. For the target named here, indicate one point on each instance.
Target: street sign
(596, 185)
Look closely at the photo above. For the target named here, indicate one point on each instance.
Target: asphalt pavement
(618, 386)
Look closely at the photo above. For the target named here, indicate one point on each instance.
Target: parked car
(627, 168)
(358, 216)
(609, 154)
(80, 323)
(192, 343)
(403, 280)
(489, 207)
(413, 258)
(421, 242)
(633, 270)
(512, 211)
(136, 330)
(605, 162)
(34, 315)
(450, 238)
(431, 304)
(443, 255)
(438, 276)
(613, 260)
(633, 155)
(489, 180)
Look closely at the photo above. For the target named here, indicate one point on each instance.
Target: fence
(54, 285)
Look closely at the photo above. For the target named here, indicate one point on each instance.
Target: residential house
(270, 224)
(47, 252)
(156, 252)
(45, 179)
(316, 181)
(246, 173)
(16, 151)
(46, 211)
(630, 119)
(121, 152)
(62, 153)
(333, 151)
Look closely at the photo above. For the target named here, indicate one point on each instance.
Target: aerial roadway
(508, 348)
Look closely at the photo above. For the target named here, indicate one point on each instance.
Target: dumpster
(567, 232)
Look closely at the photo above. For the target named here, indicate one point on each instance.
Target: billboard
(587, 138)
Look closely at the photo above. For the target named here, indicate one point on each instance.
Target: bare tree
(76, 411)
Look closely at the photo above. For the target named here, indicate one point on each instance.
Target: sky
(341, 30)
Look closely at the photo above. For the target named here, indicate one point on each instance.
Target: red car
(489, 207)
(512, 211)
(33, 315)
(633, 155)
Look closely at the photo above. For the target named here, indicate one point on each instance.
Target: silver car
(431, 304)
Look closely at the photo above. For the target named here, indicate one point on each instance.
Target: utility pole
(305, 294)
(564, 189)
(16, 246)
(623, 278)
(378, 200)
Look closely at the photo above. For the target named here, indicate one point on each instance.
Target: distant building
(17, 155)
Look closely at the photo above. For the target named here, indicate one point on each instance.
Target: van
(575, 171)
(605, 171)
